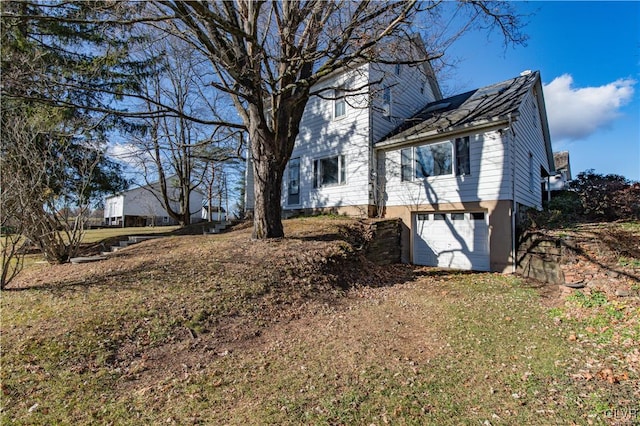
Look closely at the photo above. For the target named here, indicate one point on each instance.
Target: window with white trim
(436, 159)
(433, 160)
(329, 171)
(406, 164)
(293, 187)
(339, 103)
(463, 161)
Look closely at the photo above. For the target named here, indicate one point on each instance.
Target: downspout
(514, 207)
(373, 165)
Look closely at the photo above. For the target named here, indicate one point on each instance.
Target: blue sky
(588, 54)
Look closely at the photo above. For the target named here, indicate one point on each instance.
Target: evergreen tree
(62, 66)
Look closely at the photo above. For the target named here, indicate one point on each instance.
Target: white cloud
(575, 113)
(126, 153)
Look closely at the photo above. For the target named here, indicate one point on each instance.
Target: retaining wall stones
(384, 243)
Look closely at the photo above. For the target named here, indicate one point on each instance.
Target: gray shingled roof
(487, 104)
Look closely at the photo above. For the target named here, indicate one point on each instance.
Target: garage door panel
(454, 240)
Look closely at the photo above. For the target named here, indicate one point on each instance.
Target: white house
(562, 177)
(217, 214)
(142, 206)
(457, 171)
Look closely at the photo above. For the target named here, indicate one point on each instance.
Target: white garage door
(452, 240)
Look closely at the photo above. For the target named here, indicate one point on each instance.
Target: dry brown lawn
(304, 330)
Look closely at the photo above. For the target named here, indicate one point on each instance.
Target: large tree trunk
(185, 204)
(267, 220)
(268, 168)
(270, 156)
(271, 151)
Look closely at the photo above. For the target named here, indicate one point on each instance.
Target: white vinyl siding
(114, 206)
(323, 134)
(529, 152)
(487, 180)
(406, 96)
(322, 137)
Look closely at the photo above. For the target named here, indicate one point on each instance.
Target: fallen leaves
(605, 374)
(608, 375)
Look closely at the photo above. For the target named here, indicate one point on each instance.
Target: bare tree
(52, 177)
(175, 151)
(11, 228)
(269, 55)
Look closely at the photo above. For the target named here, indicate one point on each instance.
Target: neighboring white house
(218, 214)
(562, 177)
(456, 171)
(142, 207)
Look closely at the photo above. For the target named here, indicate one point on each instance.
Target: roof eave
(448, 131)
(545, 124)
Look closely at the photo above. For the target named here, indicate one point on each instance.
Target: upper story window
(329, 171)
(386, 101)
(436, 159)
(339, 103)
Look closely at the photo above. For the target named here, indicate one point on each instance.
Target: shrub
(606, 197)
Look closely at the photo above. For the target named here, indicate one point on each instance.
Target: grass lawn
(226, 330)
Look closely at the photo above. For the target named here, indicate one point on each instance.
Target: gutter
(439, 133)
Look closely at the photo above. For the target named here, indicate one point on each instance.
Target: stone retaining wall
(575, 261)
(384, 245)
(540, 257)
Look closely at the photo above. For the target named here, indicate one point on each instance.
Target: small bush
(566, 202)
